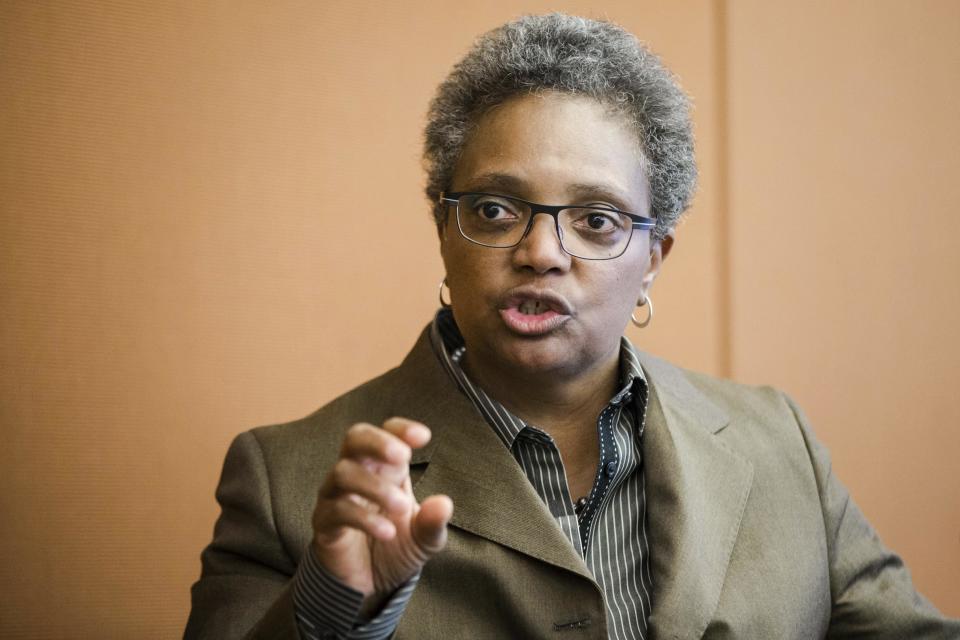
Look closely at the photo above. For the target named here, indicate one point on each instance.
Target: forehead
(549, 146)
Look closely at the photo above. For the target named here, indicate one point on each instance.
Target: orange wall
(845, 249)
(211, 218)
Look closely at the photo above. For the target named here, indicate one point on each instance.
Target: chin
(541, 355)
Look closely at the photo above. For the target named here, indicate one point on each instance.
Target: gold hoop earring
(648, 303)
(443, 303)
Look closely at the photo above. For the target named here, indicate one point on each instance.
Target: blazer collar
(696, 492)
(696, 486)
(466, 460)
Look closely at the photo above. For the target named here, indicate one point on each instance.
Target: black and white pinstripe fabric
(610, 530)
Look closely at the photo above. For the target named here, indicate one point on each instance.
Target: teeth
(531, 307)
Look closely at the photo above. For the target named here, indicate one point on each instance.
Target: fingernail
(419, 431)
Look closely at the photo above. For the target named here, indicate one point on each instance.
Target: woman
(525, 471)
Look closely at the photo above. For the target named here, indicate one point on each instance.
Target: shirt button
(580, 504)
(611, 468)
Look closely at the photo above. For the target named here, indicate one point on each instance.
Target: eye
(493, 209)
(597, 221)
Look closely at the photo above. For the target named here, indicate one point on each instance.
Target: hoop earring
(444, 304)
(647, 302)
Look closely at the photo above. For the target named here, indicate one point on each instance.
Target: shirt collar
(449, 346)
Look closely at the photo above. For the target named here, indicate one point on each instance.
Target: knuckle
(356, 428)
(395, 421)
(383, 492)
(341, 470)
(350, 513)
(342, 509)
(323, 516)
(354, 433)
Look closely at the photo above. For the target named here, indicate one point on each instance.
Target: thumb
(429, 527)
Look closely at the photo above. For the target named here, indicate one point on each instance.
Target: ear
(442, 224)
(442, 237)
(658, 253)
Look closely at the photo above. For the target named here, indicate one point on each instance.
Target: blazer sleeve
(245, 587)
(871, 590)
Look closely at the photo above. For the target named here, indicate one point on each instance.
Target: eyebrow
(585, 191)
(497, 181)
(512, 185)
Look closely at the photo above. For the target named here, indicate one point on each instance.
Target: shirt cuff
(327, 608)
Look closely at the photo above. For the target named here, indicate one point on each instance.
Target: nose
(540, 250)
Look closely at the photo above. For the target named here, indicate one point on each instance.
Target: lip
(558, 312)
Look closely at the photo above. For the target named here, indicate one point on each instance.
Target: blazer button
(611, 468)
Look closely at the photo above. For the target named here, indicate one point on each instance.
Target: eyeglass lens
(499, 221)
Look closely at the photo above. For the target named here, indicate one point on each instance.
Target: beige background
(211, 218)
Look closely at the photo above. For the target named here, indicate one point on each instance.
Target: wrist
(332, 563)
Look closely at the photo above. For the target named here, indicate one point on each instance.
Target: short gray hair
(578, 56)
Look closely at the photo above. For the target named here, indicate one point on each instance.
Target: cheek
(470, 274)
(635, 272)
(620, 289)
(617, 297)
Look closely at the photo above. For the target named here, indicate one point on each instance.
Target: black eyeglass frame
(552, 210)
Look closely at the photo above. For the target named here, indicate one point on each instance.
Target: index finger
(413, 433)
(365, 441)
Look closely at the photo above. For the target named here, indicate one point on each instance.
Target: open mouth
(531, 312)
(533, 307)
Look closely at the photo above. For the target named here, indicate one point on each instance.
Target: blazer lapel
(697, 489)
(465, 460)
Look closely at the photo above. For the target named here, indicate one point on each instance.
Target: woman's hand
(368, 529)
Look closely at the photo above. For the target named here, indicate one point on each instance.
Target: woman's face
(533, 306)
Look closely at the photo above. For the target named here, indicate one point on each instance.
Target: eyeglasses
(591, 232)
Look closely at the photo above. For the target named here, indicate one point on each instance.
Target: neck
(559, 405)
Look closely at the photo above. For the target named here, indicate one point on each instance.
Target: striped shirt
(607, 527)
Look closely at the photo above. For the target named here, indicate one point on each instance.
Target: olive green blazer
(751, 535)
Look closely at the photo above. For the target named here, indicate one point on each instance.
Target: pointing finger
(411, 432)
(370, 442)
